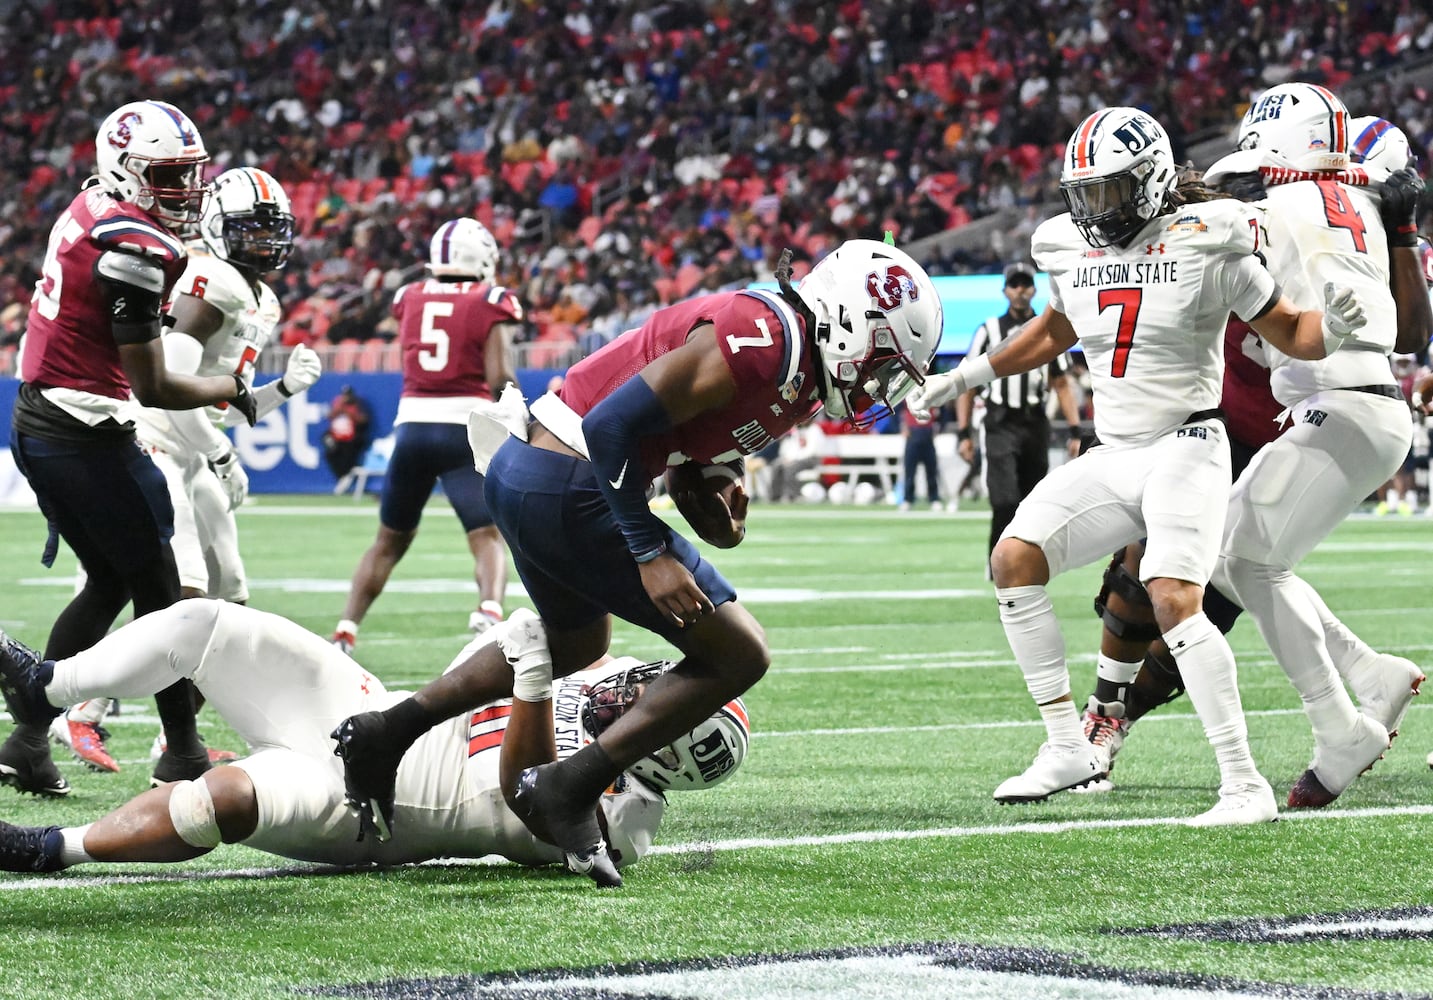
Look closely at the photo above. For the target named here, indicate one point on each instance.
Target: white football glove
(303, 369)
(233, 478)
(1343, 314)
(935, 392)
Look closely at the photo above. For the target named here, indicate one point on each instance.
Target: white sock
(1034, 636)
(1294, 633)
(92, 711)
(347, 625)
(73, 852)
(1206, 663)
(1063, 724)
(1117, 672)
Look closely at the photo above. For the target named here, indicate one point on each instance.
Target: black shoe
(173, 765)
(574, 830)
(370, 770)
(23, 676)
(30, 848)
(26, 764)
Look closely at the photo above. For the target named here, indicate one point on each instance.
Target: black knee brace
(1119, 581)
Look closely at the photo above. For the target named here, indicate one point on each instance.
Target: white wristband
(976, 370)
(532, 681)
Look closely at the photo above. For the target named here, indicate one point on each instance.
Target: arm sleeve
(267, 396)
(614, 429)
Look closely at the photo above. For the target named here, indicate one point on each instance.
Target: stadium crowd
(627, 154)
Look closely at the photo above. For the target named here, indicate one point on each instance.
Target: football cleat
(370, 771)
(160, 745)
(1240, 804)
(31, 849)
(1106, 726)
(573, 829)
(489, 613)
(175, 766)
(1056, 769)
(1384, 689)
(344, 642)
(1336, 765)
(23, 676)
(85, 740)
(26, 764)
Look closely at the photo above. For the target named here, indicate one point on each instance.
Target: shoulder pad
(136, 236)
(130, 269)
(1213, 226)
(1053, 238)
(506, 301)
(216, 282)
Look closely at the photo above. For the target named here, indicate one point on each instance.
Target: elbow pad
(134, 290)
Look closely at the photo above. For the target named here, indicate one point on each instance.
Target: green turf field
(862, 818)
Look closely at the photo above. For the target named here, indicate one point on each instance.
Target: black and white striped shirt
(1026, 391)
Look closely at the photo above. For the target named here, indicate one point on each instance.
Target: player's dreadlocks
(808, 318)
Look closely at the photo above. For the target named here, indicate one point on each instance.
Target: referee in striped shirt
(1016, 429)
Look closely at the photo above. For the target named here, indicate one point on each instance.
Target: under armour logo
(1008, 604)
(1153, 248)
(1178, 645)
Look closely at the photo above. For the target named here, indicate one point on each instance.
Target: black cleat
(32, 849)
(26, 764)
(370, 770)
(23, 676)
(175, 766)
(575, 831)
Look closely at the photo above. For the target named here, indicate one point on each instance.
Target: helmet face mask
(1299, 126)
(703, 757)
(149, 153)
(879, 321)
(248, 222)
(1117, 171)
(463, 248)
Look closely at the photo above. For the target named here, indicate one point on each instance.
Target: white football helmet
(1118, 169)
(1377, 142)
(248, 221)
(879, 321)
(463, 248)
(1301, 126)
(704, 757)
(149, 154)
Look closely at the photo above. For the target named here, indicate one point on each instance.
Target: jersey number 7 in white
(736, 343)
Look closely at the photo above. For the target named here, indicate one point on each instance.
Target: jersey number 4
(1341, 214)
(1127, 301)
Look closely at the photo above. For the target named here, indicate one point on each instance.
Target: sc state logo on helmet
(122, 135)
(891, 287)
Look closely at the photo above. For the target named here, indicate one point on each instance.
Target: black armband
(1075, 432)
(962, 433)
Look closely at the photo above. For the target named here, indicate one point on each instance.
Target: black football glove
(244, 401)
(1398, 206)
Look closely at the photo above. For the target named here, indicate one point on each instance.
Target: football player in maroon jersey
(707, 380)
(456, 328)
(91, 339)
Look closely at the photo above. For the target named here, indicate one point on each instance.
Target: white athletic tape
(191, 809)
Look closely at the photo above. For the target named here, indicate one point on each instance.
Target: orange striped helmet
(1117, 170)
(1301, 126)
(248, 221)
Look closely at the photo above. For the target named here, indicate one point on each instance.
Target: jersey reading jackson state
(251, 315)
(70, 355)
(1328, 231)
(443, 327)
(763, 343)
(451, 799)
(1151, 316)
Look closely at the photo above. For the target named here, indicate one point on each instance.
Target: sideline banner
(283, 453)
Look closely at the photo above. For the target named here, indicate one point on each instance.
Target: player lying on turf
(283, 689)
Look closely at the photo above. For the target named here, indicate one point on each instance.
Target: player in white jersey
(227, 316)
(1350, 424)
(283, 688)
(1144, 274)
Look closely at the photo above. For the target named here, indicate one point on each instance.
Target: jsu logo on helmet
(1268, 107)
(892, 286)
(121, 137)
(712, 756)
(1139, 133)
